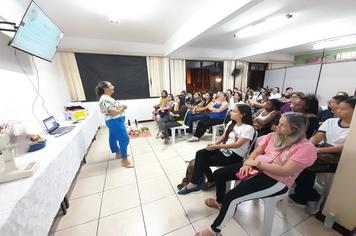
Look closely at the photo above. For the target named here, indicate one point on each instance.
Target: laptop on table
(53, 128)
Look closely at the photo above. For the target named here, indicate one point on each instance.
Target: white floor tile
(126, 223)
(149, 171)
(173, 165)
(115, 164)
(166, 153)
(194, 205)
(185, 231)
(97, 157)
(88, 229)
(119, 178)
(295, 214)
(154, 189)
(252, 211)
(164, 216)
(87, 186)
(145, 158)
(92, 169)
(176, 178)
(119, 199)
(292, 232)
(232, 228)
(81, 210)
(312, 227)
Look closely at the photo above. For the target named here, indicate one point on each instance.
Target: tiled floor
(108, 199)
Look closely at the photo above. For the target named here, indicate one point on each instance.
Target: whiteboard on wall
(336, 77)
(274, 78)
(302, 78)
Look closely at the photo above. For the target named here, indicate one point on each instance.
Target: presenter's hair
(99, 89)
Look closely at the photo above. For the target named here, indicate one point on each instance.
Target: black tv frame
(10, 43)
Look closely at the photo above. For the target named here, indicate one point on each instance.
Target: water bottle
(227, 152)
(329, 221)
(136, 123)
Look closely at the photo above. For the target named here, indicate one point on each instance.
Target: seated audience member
(309, 106)
(235, 90)
(262, 119)
(162, 111)
(247, 95)
(260, 103)
(258, 96)
(189, 99)
(280, 157)
(342, 93)
(162, 101)
(218, 111)
(183, 93)
(275, 93)
(196, 100)
(229, 94)
(199, 112)
(230, 148)
(330, 112)
(332, 133)
(286, 96)
(236, 99)
(295, 95)
(176, 114)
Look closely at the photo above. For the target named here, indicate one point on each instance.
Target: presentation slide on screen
(37, 34)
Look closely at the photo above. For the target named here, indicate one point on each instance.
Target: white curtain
(72, 76)
(228, 80)
(158, 75)
(177, 76)
(241, 80)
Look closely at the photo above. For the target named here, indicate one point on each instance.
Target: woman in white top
(332, 133)
(115, 120)
(230, 148)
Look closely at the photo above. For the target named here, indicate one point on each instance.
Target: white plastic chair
(215, 128)
(180, 128)
(270, 204)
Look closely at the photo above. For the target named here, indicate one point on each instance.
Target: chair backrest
(252, 144)
(185, 116)
(227, 113)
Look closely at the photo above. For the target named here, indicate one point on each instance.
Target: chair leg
(270, 208)
(185, 133)
(173, 136)
(214, 134)
(285, 206)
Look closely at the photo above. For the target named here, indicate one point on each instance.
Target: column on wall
(72, 76)
(177, 76)
(158, 77)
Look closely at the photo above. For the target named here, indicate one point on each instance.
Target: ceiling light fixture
(336, 42)
(263, 26)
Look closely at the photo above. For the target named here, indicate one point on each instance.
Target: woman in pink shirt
(280, 157)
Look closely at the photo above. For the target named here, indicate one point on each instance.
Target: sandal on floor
(207, 232)
(212, 203)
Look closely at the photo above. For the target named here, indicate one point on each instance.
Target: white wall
(17, 94)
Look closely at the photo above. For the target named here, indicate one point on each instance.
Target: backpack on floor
(189, 175)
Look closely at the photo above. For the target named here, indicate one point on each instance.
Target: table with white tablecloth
(28, 206)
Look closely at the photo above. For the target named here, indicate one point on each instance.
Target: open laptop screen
(50, 123)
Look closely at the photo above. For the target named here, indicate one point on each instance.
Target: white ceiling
(193, 28)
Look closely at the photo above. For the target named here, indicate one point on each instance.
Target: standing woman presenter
(115, 120)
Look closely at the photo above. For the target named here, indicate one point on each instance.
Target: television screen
(37, 34)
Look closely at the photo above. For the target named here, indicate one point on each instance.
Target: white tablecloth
(28, 206)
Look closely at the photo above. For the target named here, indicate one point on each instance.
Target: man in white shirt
(275, 93)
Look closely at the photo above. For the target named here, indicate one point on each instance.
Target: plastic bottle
(329, 220)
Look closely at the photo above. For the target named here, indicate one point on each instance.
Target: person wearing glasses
(114, 113)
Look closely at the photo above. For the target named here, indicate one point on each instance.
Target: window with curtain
(127, 73)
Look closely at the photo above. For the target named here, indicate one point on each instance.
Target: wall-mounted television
(37, 34)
